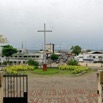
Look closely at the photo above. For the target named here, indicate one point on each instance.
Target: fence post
(100, 86)
(1, 88)
(0, 80)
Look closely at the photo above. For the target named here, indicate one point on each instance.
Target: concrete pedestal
(44, 67)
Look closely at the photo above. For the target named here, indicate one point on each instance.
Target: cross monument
(44, 52)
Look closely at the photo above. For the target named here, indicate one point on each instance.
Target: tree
(54, 57)
(88, 50)
(76, 49)
(33, 62)
(8, 51)
(72, 62)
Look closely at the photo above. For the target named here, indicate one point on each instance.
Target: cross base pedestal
(44, 67)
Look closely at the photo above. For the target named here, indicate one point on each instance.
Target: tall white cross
(44, 56)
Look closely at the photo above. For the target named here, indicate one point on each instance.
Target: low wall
(91, 64)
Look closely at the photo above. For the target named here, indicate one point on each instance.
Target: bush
(10, 62)
(33, 63)
(15, 68)
(4, 63)
(72, 62)
(74, 69)
(54, 57)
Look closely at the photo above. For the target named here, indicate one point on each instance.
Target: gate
(15, 89)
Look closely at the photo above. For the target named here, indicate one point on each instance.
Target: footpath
(63, 89)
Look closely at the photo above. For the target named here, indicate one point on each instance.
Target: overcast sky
(73, 22)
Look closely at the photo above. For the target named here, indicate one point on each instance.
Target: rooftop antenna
(22, 45)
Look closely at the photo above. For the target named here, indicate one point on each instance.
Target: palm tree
(2, 39)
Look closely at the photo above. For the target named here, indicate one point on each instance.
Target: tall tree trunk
(8, 61)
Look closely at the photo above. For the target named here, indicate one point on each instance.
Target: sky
(73, 22)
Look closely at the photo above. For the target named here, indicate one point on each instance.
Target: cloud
(70, 20)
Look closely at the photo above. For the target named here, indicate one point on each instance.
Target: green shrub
(10, 62)
(54, 57)
(13, 69)
(33, 63)
(72, 62)
(80, 69)
(74, 69)
(4, 63)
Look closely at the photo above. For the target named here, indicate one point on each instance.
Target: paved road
(63, 89)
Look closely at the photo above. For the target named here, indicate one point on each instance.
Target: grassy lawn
(49, 71)
(52, 71)
(55, 71)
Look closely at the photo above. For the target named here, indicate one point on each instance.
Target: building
(50, 48)
(22, 56)
(94, 56)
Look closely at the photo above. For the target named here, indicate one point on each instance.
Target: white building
(94, 56)
(50, 48)
(23, 56)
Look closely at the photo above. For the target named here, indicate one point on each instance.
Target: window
(23, 61)
(33, 56)
(99, 56)
(37, 56)
(19, 62)
(14, 61)
(93, 56)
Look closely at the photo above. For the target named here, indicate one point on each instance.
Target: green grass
(47, 72)
(50, 71)
(53, 71)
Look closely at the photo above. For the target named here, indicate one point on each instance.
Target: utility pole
(44, 52)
